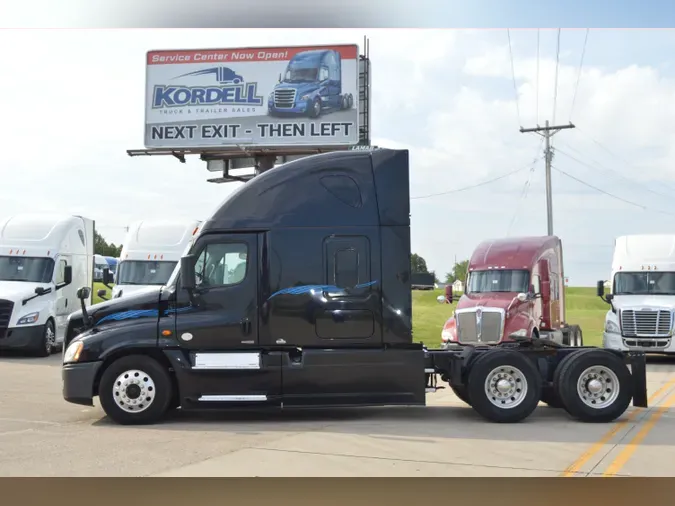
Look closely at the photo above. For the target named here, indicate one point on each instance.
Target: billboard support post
(165, 111)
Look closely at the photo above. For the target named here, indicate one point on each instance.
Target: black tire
(577, 364)
(510, 363)
(315, 110)
(461, 393)
(47, 344)
(155, 375)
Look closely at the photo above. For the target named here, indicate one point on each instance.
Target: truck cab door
(65, 298)
(216, 327)
(545, 282)
(222, 313)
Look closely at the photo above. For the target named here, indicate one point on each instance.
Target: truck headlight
(611, 327)
(519, 333)
(304, 97)
(28, 319)
(72, 353)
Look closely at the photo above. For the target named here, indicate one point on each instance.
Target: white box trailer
(642, 297)
(44, 260)
(150, 253)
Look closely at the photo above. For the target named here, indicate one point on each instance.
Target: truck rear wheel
(135, 389)
(594, 385)
(504, 386)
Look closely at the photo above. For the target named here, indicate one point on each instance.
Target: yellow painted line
(574, 468)
(628, 451)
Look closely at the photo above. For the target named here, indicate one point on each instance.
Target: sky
(72, 104)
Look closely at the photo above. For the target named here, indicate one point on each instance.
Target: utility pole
(547, 132)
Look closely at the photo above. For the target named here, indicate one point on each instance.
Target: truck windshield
(144, 272)
(29, 269)
(503, 280)
(300, 75)
(641, 283)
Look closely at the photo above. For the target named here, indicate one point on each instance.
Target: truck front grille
(284, 99)
(6, 308)
(479, 325)
(646, 322)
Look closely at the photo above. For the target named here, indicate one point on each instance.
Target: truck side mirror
(187, 272)
(449, 294)
(441, 299)
(67, 275)
(279, 80)
(522, 297)
(600, 288)
(107, 277)
(83, 293)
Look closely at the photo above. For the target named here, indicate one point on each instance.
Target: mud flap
(638, 367)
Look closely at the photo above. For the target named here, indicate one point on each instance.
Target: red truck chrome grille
(479, 325)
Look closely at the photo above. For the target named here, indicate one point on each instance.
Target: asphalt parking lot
(42, 435)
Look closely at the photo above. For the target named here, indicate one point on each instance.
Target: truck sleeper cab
(641, 316)
(43, 261)
(150, 253)
(514, 290)
(310, 85)
(305, 302)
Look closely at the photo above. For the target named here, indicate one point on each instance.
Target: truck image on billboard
(281, 96)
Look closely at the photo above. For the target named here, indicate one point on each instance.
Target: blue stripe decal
(142, 313)
(299, 290)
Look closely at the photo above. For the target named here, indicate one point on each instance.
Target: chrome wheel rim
(50, 338)
(134, 391)
(598, 387)
(506, 387)
(317, 107)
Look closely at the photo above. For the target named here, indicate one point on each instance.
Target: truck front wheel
(135, 389)
(504, 386)
(594, 385)
(315, 109)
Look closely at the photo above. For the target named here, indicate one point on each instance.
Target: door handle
(246, 326)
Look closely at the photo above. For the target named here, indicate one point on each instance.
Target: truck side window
(536, 284)
(60, 273)
(323, 73)
(223, 264)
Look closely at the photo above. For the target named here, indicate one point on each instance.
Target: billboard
(268, 97)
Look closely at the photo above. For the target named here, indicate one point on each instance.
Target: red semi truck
(514, 289)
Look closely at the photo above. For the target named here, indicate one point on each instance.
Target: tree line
(102, 247)
(459, 271)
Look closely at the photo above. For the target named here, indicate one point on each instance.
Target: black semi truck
(297, 293)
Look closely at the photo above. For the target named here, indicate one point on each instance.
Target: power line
(616, 197)
(525, 190)
(537, 107)
(555, 89)
(470, 187)
(513, 75)
(607, 169)
(581, 64)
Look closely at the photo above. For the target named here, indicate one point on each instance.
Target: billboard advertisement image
(268, 97)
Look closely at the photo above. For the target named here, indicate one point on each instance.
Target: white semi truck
(44, 260)
(150, 252)
(642, 296)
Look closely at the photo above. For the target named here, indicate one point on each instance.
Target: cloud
(75, 105)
